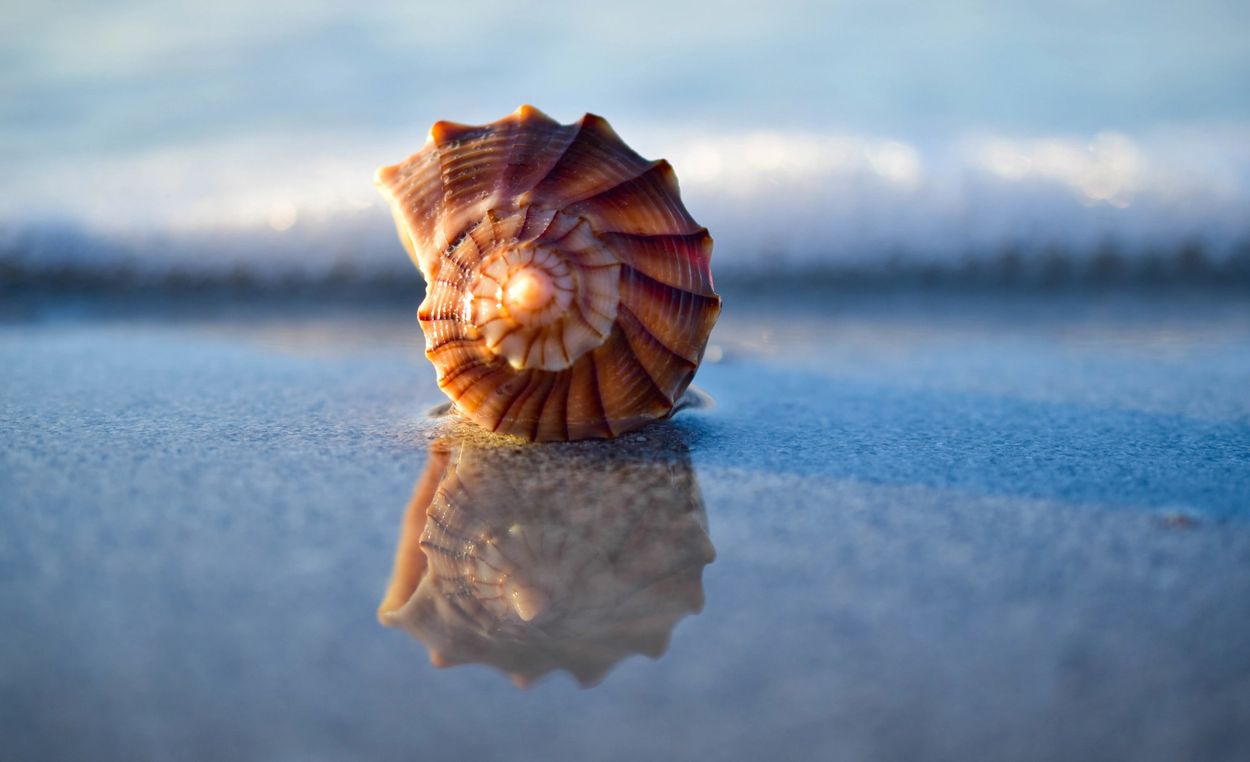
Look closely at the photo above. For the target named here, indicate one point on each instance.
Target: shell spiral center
(528, 291)
(541, 304)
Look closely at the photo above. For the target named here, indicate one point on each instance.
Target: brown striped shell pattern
(568, 290)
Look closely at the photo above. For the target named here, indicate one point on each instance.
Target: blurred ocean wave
(146, 142)
(779, 204)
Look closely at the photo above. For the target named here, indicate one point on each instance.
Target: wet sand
(945, 526)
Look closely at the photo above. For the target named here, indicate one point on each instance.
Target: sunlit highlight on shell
(569, 294)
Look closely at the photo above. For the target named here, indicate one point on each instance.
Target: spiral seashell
(531, 561)
(568, 290)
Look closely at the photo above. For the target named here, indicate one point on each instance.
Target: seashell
(568, 293)
(531, 562)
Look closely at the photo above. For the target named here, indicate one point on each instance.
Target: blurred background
(1101, 139)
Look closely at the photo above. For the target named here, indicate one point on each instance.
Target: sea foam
(302, 209)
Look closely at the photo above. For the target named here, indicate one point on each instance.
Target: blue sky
(93, 76)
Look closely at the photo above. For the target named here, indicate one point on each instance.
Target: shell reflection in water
(532, 560)
(568, 291)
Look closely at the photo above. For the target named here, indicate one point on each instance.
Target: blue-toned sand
(948, 526)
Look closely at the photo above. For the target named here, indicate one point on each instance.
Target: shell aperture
(568, 291)
(532, 561)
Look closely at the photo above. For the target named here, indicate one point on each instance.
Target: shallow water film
(913, 525)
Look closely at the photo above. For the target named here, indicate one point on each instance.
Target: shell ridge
(447, 341)
(503, 335)
(591, 310)
(462, 398)
(556, 391)
(598, 390)
(625, 181)
(566, 199)
(656, 283)
(440, 215)
(492, 219)
(646, 254)
(455, 373)
(463, 268)
(656, 338)
(563, 153)
(482, 237)
(488, 413)
(711, 301)
(444, 132)
(636, 391)
(459, 240)
(604, 266)
(467, 157)
(548, 415)
(564, 405)
(512, 399)
(521, 395)
(587, 308)
(530, 412)
(603, 129)
(636, 325)
(442, 333)
(616, 184)
(597, 146)
(564, 234)
(581, 318)
(519, 177)
(546, 225)
(408, 187)
(635, 272)
(520, 126)
(646, 372)
(525, 221)
(633, 328)
(589, 424)
(529, 345)
(581, 127)
(648, 201)
(564, 350)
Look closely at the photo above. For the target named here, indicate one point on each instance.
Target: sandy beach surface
(947, 525)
